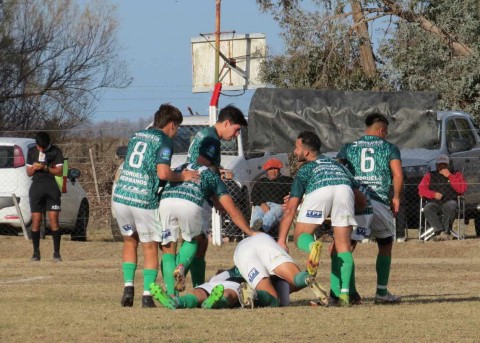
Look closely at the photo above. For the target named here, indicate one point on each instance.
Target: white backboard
(245, 51)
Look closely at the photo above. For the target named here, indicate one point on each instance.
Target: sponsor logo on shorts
(55, 208)
(252, 274)
(314, 214)
(167, 233)
(127, 227)
(166, 153)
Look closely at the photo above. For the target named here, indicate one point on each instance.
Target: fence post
(94, 174)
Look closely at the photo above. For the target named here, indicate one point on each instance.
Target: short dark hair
(375, 118)
(232, 114)
(166, 114)
(42, 139)
(310, 140)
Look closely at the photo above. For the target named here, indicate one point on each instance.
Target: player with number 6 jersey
(376, 164)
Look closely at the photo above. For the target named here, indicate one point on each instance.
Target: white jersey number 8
(136, 158)
(367, 163)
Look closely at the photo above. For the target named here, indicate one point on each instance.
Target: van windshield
(185, 134)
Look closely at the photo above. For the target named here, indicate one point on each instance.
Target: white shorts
(180, 215)
(362, 230)
(334, 201)
(256, 257)
(208, 286)
(383, 223)
(133, 219)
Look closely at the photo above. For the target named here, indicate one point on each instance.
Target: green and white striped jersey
(322, 172)
(368, 158)
(205, 143)
(198, 192)
(138, 184)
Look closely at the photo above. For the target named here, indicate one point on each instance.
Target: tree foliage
(55, 57)
(415, 45)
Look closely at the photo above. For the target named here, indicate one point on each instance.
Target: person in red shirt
(441, 189)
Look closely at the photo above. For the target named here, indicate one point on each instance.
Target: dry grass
(78, 300)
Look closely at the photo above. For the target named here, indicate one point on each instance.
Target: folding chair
(425, 232)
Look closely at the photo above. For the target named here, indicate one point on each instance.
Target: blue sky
(155, 38)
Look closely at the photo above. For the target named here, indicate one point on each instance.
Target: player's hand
(445, 172)
(38, 166)
(190, 175)
(395, 206)
(438, 196)
(283, 245)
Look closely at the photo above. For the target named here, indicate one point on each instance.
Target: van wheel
(79, 232)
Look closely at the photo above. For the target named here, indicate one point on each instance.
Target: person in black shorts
(44, 162)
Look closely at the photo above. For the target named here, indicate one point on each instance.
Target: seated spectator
(441, 189)
(267, 196)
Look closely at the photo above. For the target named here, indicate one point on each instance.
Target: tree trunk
(367, 59)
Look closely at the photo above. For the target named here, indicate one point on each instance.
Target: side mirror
(458, 144)
(74, 174)
(121, 151)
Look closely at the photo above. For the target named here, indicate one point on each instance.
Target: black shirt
(52, 157)
(266, 190)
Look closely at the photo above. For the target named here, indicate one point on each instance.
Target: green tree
(420, 45)
(55, 58)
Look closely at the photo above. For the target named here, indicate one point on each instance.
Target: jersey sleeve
(209, 149)
(213, 183)
(165, 152)
(394, 153)
(342, 154)
(58, 160)
(31, 156)
(299, 185)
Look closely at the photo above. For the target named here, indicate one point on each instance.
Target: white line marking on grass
(35, 278)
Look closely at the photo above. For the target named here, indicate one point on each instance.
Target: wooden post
(94, 174)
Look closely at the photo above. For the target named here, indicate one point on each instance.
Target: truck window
(465, 130)
(452, 132)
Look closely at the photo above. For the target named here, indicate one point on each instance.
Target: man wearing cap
(441, 188)
(267, 196)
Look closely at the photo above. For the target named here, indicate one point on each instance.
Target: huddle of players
(326, 187)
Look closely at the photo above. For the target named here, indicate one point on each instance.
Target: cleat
(179, 274)
(214, 297)
(257, 225)
(57, 257)
(35, 256)
(246, 295)
(162, 297)
(389, 298)
(314, 257)
(127, 298)
(147, 301)
(344, 300)
(355, 299)
(318, 290)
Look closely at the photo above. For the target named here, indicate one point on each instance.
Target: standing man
(328, 190)
(136, 197)
(205, 150)
(375, 163)
(44, 162)
(267, 196)
(181, 210)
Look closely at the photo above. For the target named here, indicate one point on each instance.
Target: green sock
(304, 241)
(186, 253)
(265, 299)
(335, 275)
(222, 303)
(299, 279)
(129, 269)
(197, 270)
(346, 266)
(168, 263)
(187, 301)
(383, 273)
(149, 276)
(353, 287)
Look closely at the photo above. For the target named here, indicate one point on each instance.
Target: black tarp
(276, 117)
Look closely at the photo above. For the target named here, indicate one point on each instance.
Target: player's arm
(287, 220)
(237, 217)
(203, 161)
(397, 175)
(57, 170)
(165, 173)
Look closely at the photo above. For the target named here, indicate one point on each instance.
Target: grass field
(78, 300)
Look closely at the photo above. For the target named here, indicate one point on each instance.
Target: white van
(14, 180)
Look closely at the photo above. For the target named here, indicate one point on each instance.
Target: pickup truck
(246, 167)
(459, 138)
